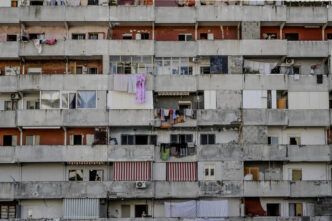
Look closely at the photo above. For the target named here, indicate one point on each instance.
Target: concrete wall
(308, 100)
(41, 209)
(310, 171)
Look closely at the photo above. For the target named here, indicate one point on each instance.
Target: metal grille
(81, 208)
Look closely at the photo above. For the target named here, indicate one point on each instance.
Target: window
(127, 36)
(93, 70)
(292, 36)
(75, 175)
(272, 140)
(185, 37)
(141, 210)
(173, 65)
(209, 172)
(131, 64)
(86, 99)
(145, 36)
(7, 140)
(181, 138)
(11, 37)
(93, 2)
(93, 36)
(50, 99)
(33, 36)
(329, 36)
(296, 174)
(273, 209)
(36, 2)
(205, 70)
(78, 36)
(14, 3)
(96, 175)
(138, 139)
(10, 105)
(8, 210)
(32, 140)
(295, 209)
(32, 105)
(294, 140)
(68, 100)
(208, 139)
(76, 140)
(203, 36)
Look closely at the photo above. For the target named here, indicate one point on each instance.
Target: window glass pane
(212, 171)
(50, 99)
(96, 175)
(212, 139)
(206, 171)
(189, 138)
(203, 139)
(158, 66)
(174, 138)
(124, 140)
(72, 100)
(167, 66)
(64, 100)
(86, 99)
(175, 66)
(131, 140)
(29, 140)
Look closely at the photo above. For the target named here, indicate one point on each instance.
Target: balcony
(267, 189)
(217, 152)
(130, 153)
(131, 117)
(220, 188)
(61, 14)
(130, 47)
(179, 48)
(310, 118)
(240, 13)
(262, 152)
(7, 119)
(310, 15)
(243, 47)
(176, 190)
(8, 83)
(265, 82)
(310, 82)
(175, 83)
(9, 49)
(308, 49)
(269, 117)
(9, 15)
(309, 153)
(185, 15)
(220, 82)
(131, 14)
(310, 188)
(218, 117)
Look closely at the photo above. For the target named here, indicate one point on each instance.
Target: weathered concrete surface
(175, 83)
(307, 48)
(219, 152)
(39, 118)
(310, 188)
(218, 117)
(310, 82)
(131, 117)
(9, 15)
(265, 82)
(86, 117)
(252, 152)
(254, 134)
(179, 48)
(267, 189)
(269, 117)
(133, 47)
(9, 49)
(309, 153)
(220, 188)
(242, 47)
(7, 119)
(184, 15)
(132, 14)
(308, 118)
(176, 189)
(306, 15)
(240, 13)
(7, 155)
(130, 153)
(220, 82)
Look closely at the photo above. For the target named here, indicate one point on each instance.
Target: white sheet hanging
(212, 208)
(210, 100)
(180, 209)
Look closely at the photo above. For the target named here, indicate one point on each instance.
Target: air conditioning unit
(140, 185)
(289, 61)
(15, 96)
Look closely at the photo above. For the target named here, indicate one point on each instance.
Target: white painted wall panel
(42, 172)
(252, 99)
(310, 171)
(308, 100)
(121, 100)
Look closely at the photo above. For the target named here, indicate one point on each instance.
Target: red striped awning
(182, 171)
(132, 171)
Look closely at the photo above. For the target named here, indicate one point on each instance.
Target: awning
(173, 93)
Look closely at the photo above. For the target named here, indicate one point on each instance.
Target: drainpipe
(281, 28)
(66, 61)
(323, 31)
(196, 27)
(238, 30)
(65, 137)
(21, 135)
(153, 28)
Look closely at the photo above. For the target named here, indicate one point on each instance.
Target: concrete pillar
(106, 64)
(196, 27)
(323, 31)
(251, 30)
(281, 28)
(153, 29)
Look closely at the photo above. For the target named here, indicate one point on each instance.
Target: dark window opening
(78, 36)
(276, 70)
(296, 70)
(127, 37)
(203, 36)
(329, 36)
(11, 37)
(208, 139)
(145, 36)
(75, 175)
(292, 36)
(7, 140)
(92, 2)
(8, 210)
(96, 175)
(153, 140)
(294, 141)
(77, 140)
(270, 36)
(79, 70)
(295, 209)
(184, 106)
(273, 209)
(141, 139)
(141, 210)
(34, 36)
(319, 78)
(205, 70)
(181, 138)
(184, 37)
(93, 70)
(36, 3)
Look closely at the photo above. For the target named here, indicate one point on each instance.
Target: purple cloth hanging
(140, 88)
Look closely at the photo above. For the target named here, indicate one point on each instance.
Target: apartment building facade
(168, 110)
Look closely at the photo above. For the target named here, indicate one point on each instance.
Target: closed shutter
(132, 171)
(81, 208)
(182, 171)
(14, 140)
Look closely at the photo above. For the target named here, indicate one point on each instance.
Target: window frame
(76, 180)
(208, 138)
(209, 172)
